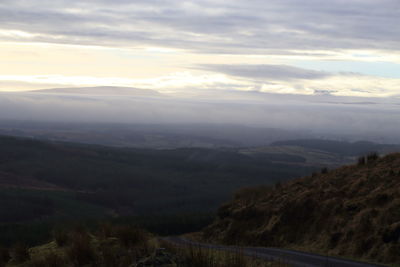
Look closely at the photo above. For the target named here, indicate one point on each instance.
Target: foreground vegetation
(108, 246)
(353, 211)
(119, 245)
(37, 232)
(195, 256)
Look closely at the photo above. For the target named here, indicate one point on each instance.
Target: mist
(374, 119)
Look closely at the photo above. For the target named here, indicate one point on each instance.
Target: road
(291, 257)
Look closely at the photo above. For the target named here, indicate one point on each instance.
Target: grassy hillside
(353, 211)
(46, 182)
(136, 181)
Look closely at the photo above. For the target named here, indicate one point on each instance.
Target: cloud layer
(281, 46)
(265, 72)
(243, 27)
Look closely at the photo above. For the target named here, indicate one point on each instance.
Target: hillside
(155, 136)
(124, 181)
(339, 147)
(353, 211)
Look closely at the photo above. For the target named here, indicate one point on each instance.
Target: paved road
(293, 258)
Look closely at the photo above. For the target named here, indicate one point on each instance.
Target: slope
(353, 211)
(136, 181)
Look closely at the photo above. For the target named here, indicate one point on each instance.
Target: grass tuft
(20, 253)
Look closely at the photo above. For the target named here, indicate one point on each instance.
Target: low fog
(374, 119)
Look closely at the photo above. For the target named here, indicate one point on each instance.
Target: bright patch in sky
(285, 46)
(380, 69)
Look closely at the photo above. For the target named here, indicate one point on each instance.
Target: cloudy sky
(344, 47)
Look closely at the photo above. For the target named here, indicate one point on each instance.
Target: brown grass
(4, 256)
(51, 259)
(196, 256)
(131, 236)
(61, 236)
(353, 211)
(20, 253)
(80, 251)
(111, 245)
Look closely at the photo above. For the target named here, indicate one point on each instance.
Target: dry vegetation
(121, 245)
(196, 256)
(109, 246)
(353, 211)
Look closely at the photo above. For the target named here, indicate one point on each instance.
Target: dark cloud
(265, 72)
(240, 27)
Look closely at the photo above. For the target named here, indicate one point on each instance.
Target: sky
(309, 47)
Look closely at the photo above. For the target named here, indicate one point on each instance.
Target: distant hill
(325, 153)
(353, 211)
(126, 181)
(140, 135)
(101, 90)
(340, 147)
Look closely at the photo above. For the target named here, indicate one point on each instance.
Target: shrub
(61, 237)
(110, 255)
(372, 157)
(4, 256)
(105, 230)
(20, 253)
(202, 257)
(198, 257)
(250, 194)
(50, 260)
(361, 161)
(131, 236)
(224, 211)
(392, 253)
(80, 251)
(324, 170)
(278, 185)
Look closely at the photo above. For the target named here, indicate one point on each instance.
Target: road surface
(291, 257)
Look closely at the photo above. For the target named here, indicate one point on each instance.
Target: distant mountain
(352, 212)
(101, 90)
(159, 136)
(340, 147)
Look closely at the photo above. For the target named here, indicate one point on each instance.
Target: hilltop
(353, 211)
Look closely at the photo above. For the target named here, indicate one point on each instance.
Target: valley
(46, 184)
